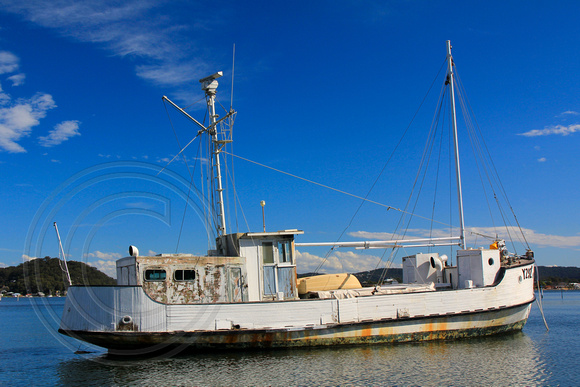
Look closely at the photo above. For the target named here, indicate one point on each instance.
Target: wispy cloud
(550, 130)
(542, 160)
(140, 29)
(60, 133)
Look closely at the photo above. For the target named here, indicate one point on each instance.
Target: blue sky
(324, 90)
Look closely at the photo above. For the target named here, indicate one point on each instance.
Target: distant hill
(557, 274)
(45, 275)
(372, 277)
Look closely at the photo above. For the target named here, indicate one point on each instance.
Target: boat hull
(126, 321)
(465, 325)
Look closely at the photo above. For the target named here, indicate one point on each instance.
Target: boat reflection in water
(511, 359)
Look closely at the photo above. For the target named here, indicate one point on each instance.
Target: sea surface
(33, 353)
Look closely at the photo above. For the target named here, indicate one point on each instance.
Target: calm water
(31, 352)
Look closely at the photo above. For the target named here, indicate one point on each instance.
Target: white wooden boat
(245, 293)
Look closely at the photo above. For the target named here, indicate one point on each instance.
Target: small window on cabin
(268, 252)
(184, 275)
(155, 275)
(285, 252)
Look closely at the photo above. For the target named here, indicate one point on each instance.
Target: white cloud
(556, 129)
(17, 79)
(9, 62)
(533, 237)
(347, 261)
(60, 133)
(27, 258)
(570, 113)
(105, 256)
(542, 160)
(4, 98)
(2, 264)
(105, 262)
(19, 117)
(107, 267)
(17, 121)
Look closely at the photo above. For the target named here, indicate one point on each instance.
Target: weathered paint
(94, 314)
(423, 329)
(212, 283)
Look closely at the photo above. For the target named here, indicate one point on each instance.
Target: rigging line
(426, 159)
(196, 102)
(388, 160)
(187, 200)
(497, 176)
(233, 177)
(219, 103)
(436, 180)
(477, 150)
(178, 144)
(331, 188)
(390, 157)
(384, 167)
(506, 222)
(425, 150)
(237, 200)
(450, 158)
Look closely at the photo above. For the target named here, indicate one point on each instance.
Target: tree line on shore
(46, 275)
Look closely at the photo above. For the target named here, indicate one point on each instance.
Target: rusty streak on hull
(445, 327)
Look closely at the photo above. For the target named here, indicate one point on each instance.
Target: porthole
(490, 261)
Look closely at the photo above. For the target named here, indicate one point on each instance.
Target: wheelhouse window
(155, 275)
(184, 275)
(278, 269)
(284, 252)
(268, 252)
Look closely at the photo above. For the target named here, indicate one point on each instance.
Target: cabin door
(279, 269)
(235, 285)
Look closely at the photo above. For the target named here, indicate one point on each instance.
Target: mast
(209, 85)
(450, 81)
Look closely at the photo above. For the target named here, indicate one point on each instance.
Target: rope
(331, 188)
(539, 299)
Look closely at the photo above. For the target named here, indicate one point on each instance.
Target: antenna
(233, 64)
(61, 251)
